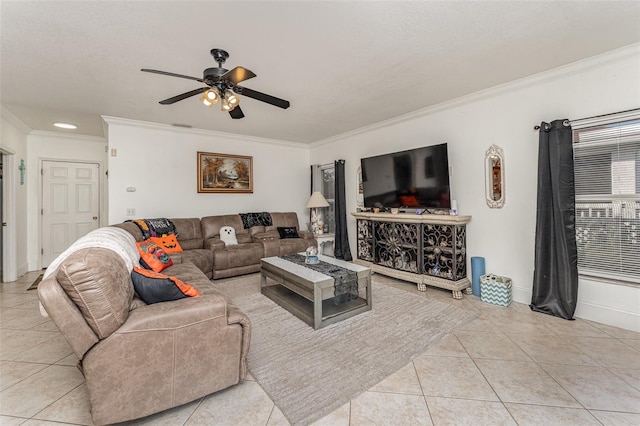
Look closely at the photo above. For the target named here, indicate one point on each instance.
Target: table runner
(345, 282)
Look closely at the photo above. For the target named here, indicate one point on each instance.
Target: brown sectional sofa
(140, 359)
(200, 240)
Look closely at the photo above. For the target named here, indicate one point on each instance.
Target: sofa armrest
(175, 314)
(214, 244)
(66, 316)
(236, 316)
(265, 236)
(306, 235)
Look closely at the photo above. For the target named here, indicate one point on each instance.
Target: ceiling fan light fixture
(221, 85)
(225, 105)
(206, 102)
(232, 99)
(210, 97)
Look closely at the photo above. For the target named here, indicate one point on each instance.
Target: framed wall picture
(224, 173)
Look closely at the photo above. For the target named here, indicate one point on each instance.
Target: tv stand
(426, 249)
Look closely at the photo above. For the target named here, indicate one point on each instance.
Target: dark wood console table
(424, 249)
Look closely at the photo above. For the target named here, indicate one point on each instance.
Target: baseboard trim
(609, 316)
(22, 269)
(521, 295)
(602, 314)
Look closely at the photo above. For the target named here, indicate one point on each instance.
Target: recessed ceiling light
(65, 125)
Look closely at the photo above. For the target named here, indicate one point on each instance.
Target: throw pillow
(152, 256)
(168, 243)
(288, 232)
(228, 235)
(153, 287)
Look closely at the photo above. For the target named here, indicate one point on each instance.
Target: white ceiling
(342, 65)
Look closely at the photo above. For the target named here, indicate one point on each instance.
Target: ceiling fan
(222, 85)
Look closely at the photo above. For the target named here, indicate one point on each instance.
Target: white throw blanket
(112, 238)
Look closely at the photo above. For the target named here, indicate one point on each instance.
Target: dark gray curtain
(555, 278)
(341, 248)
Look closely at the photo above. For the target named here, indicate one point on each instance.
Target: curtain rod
(568, 122)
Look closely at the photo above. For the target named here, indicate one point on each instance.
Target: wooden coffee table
(308, 294)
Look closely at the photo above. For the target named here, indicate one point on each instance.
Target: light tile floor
(509, 366)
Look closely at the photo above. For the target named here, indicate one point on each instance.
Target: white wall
(505, 116)
(13, 141)
(160, 161)
(63, 147)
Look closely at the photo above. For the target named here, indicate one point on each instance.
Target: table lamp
(316, 200)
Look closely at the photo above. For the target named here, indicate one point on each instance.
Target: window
(328, 190)
(607, 183)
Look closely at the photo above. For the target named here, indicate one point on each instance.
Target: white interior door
(70, 205)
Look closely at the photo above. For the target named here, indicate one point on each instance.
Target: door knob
(95, 218)
(4, 223)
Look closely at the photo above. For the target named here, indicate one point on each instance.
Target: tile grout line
(424, 397)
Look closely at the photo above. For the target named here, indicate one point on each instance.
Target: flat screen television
(414, 178)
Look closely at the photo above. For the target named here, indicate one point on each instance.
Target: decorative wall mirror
(494, 177)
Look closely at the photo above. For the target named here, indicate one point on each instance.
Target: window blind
(328, 190)
(607, 185)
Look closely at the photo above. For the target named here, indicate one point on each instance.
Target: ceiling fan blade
(183, 96)
(261, 97)
(237, 75)
(171, 74)
(236, 113)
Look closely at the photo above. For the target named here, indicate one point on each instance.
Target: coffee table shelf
(308, 294)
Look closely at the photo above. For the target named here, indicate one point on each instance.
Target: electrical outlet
(131, 212)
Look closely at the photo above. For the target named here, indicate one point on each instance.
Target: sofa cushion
(237, 256)
(190, 273)
(202, 258)
(153, 287)
(99, 283)
(283, 219)
(189, 233)
(256, 230)
(168, 243)
(244, 237)
(211, 225)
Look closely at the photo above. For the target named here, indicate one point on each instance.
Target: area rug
(36, 282)
(310, 373)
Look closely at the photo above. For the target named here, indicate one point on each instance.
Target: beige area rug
(308, 373)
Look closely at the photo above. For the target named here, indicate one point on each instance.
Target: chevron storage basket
(495, 290)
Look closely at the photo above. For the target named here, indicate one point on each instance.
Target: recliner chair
(140, 359)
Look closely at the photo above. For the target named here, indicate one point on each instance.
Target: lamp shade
(317, 200)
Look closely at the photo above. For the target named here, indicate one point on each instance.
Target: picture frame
(224, 173)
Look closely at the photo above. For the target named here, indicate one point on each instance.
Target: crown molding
(549, 75)
(13, 119)
(64, 135)
(194, 131)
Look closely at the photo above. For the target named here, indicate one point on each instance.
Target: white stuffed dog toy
(228, 235)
